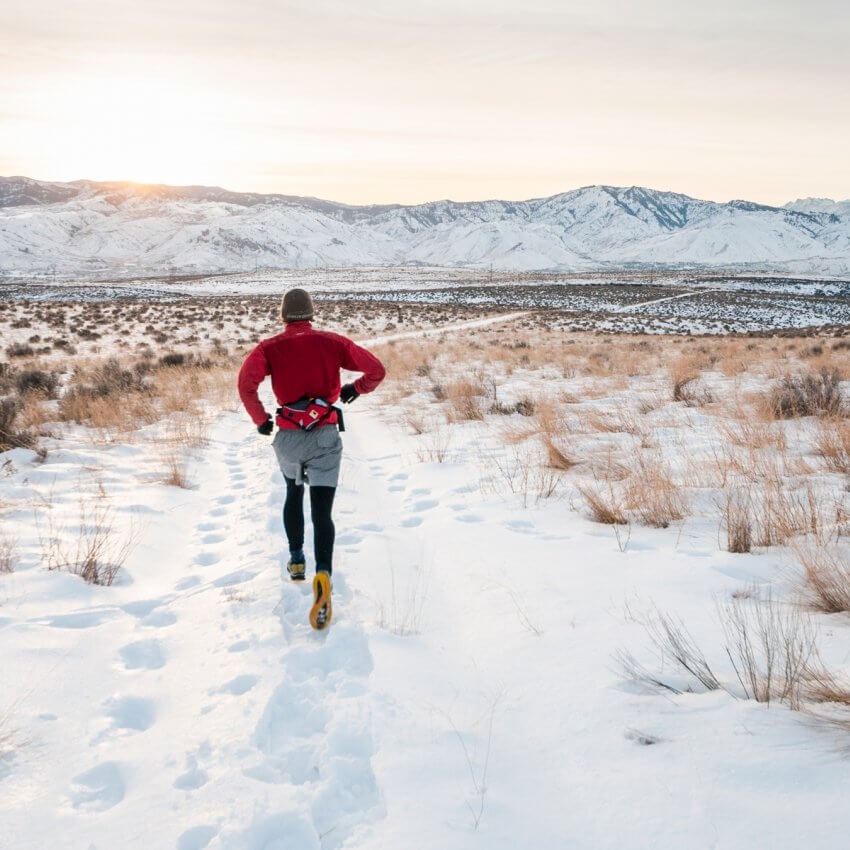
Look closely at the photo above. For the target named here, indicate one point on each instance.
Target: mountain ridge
(90, 228)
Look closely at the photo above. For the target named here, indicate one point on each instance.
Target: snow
(110, 230)
(465, 695)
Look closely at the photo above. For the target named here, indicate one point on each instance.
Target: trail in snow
(633, 307)
(459, 326)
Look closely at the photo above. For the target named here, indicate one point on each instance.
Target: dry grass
(833, 444)
(737, 517)
(403, 612)
(604, 504)
(8, 554)
(97, 552)
(551, 425)
(783, 513)
(652, 494)
(826, 571)
(557, 456)
(415, 421)
(465, 401)
(435, 445)
(772, 649)
(813, 393)
(520, 473)
(749, 432)
(12, 436)
(687, 386)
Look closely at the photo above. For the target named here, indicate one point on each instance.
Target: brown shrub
(652, 494)
(809, 394)
(833, 444)
(826, 569)
(604, 504)
(737, 514)
(465, 401)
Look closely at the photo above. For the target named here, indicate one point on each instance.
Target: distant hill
(86, 228)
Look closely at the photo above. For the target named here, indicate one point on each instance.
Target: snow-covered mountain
(97, 229)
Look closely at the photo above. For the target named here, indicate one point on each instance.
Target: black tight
(321, 504)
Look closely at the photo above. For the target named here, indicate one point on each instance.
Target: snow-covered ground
(466, 694)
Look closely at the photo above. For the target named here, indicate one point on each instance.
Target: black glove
(266, 428)
(347, 394)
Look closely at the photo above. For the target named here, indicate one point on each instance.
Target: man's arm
(357, 359)
(253, 372)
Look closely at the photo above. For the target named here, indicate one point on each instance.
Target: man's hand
(266, 428)
(347, 394)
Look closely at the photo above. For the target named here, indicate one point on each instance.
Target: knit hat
(297, 306)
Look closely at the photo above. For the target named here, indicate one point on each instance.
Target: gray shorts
(313, 456)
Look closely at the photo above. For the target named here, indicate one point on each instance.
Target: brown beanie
(297, 306)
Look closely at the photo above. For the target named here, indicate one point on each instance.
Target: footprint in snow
(98, 789)
(187, 582)
(212, 538)
(280, 831)
(349, 539)
(196, 837)
(159, 619)
(133, 714)
(238, 577)
(425, 505)
(411, 522)
(82, 620)
(194, 777)
(143, 655)
(238, 686)
(207, 559)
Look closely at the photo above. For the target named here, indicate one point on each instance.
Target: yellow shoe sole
(322, 597)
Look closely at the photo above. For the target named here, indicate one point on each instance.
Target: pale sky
(377, 101)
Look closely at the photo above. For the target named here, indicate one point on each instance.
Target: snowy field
(624, 302)
(533, 557)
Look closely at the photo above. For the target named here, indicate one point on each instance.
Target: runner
(304, 366)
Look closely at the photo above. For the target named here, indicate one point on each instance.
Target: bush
(106, 387)
(36, 380)
(19, 349)
(111, 378)
(811, 394)
(10, 438)
(172, 359)
(7, 377)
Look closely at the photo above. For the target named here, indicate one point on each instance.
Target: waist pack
(310, 413)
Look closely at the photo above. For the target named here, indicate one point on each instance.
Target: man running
(304, 366)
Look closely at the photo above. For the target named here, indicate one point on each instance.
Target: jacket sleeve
(253, 372)
(357, 359)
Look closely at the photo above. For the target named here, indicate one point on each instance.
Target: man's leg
(321, 505)
(293, 518)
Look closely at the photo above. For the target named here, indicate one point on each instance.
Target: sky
(380, 101)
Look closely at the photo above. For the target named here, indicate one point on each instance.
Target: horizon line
(400, 204)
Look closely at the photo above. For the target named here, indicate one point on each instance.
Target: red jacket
(304, 363)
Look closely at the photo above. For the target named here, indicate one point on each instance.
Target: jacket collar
(293, 328)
